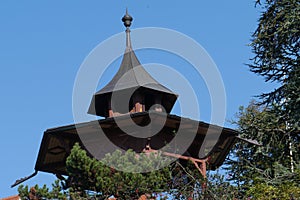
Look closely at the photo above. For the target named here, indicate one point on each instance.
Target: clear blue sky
(42, 45)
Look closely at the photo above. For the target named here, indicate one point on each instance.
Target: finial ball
(127, 19)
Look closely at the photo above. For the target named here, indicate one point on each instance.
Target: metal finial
(127, 19)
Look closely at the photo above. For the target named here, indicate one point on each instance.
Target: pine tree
(276, 46)
(39, 193)
(88, 174)
(266, 166)
(274, 120)
(181, 181)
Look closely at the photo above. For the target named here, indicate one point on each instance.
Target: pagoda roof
(57, 142)
(130, 77)
(132, 74)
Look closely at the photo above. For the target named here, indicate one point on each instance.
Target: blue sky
(43, 44)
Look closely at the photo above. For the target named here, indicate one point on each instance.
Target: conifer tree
(274, 119)
(276, 48)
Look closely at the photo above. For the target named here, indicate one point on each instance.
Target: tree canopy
(276, 48)
(266, 166)
(267, 171)
(89, 179)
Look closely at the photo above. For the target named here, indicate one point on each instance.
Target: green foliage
(43, 192)
(88, 174)
(266, 172)
(264, 191)
(284, 185)
(23, 191)
(181, 180)
(276, 45)
(90, 179)
(275, 42)
(268, 164)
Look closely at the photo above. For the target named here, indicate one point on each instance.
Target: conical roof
(130, 76)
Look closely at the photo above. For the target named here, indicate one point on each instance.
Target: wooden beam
(195, 161)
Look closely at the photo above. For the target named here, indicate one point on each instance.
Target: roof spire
(137, 80)
(127, 19)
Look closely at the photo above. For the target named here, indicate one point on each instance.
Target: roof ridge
(135, 75)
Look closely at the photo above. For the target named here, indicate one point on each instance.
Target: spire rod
(127, 19)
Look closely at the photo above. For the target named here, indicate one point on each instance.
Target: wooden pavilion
(149, 102)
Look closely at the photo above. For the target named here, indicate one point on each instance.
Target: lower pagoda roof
(57, 142)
